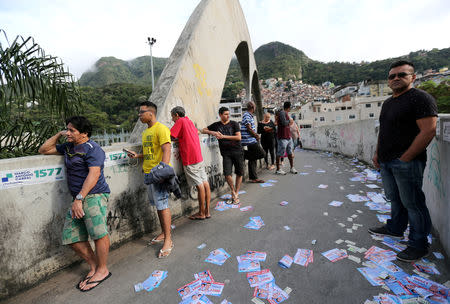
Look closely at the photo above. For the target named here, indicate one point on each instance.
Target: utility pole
(151, 42)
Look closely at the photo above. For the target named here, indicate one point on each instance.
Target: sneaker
(383, 231)
(293, 171)
(280, 172)
(411, 254)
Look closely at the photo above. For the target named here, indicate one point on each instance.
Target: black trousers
(269, 148)
(253, 154)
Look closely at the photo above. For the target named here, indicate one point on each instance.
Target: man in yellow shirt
(156, 148)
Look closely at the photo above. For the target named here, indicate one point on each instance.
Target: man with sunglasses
(407, 126)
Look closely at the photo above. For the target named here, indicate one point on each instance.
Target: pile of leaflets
(265, 287)
(218, 256)
(378, 255)
(380, 207)
(223, 205)
(335, 254)
(376, 197)
(428, 268)
(255, 223)
(304, 257)
(394, 244)
(383, 218)
(152, 282)
(196, 291)
(250, 261)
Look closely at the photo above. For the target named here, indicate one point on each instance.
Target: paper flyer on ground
(259, 277)
(253, 255)
(248, 265)
(204, 276)
(303, 257)
(189, 289)
(211, 288)
(217, 256)
(335, 254)
(286, 261)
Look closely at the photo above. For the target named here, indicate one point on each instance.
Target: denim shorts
(158, 197)
(285, 146)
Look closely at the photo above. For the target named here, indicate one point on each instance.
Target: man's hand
(257, 136)
(77, 209)
(132, 154)
(218, 135)
(375, 161)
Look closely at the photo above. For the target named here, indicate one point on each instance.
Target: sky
(80, 32)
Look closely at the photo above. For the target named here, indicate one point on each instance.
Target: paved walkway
(309, 217)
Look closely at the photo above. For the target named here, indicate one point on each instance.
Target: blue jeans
(402, 183)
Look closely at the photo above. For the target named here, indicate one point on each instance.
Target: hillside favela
(222, 172)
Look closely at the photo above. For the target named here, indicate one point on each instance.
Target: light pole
(151, 42)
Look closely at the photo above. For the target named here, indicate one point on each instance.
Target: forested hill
(110, 70)
(274, 59)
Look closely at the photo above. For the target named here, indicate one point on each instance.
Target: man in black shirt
(407, 126)
(228, 132)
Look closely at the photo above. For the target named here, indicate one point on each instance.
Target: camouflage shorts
(92, 224)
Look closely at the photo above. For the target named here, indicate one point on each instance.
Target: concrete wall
(32, 209)
(359, 140)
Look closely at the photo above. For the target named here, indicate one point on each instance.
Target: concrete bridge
(33, 191)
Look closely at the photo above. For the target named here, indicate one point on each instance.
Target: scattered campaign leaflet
(304, 257)
(211, 288)
(258, 278)
(379, 255)
(426, 268)
(356, 198)
(272, 181)
(242, 192)
(263, 291)
(393, 270)
(248, 265)
(376, 197)
(438, 255)
(226, 196)
(372, 275)
(204, 276)
(225, 301)
(387, 299)
(303, 173)
(394, 244)
(255, 223)
(284, 203)
(153, 281)
(320, 171)
(196, 299)
(222, 206)
(189, 289)
(322, 186)
(397, 287)
(254, 256)
(383, 218)
(277, 295)
(335, 254)
(217, 256)
(246, 208)
(286, 261)
(357, 179)
(380, 207)
(372, 186)
(264, 185)
(335, 203)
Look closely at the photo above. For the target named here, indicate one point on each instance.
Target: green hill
(274, 59)
(110, 70)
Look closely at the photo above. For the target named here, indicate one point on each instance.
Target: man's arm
(236, 136)
(212, 133)
(282, 119)
(427, 126)
(89, 183)
(49, 146)
(250, 130)
(166, 149)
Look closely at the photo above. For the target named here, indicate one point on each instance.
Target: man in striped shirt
(249, 139)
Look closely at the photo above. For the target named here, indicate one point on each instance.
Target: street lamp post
(151, 42)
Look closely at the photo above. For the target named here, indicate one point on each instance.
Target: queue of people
(407, 125)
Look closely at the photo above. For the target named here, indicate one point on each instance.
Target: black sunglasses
(400, 75)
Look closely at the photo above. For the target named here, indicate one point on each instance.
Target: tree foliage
(37, 94)
(441, 92)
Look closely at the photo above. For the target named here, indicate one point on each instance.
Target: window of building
(371, 115)
(349, 108)
(379, 104)
(315, 119)
(342, 108)
(322, 118)
(338, 118)
(337, 109)
(352, 116)
(368, 105)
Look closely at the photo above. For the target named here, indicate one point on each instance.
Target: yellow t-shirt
(152, 140)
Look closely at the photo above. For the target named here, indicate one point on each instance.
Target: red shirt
(189, 142)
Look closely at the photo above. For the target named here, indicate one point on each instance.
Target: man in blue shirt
(249, 140)
(84, 160)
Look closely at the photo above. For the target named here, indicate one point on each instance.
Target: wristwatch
(79, 197)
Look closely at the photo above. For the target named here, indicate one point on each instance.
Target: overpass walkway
(313, 224)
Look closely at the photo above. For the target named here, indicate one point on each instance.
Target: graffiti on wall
(200, 74)
(434, 169)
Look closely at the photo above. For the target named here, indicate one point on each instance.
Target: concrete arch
(195, 74)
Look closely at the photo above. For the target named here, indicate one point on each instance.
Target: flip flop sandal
(164, 253)
(230, 201)
(82, 280)
(196, 218)
(154, 241)
(96, 282)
